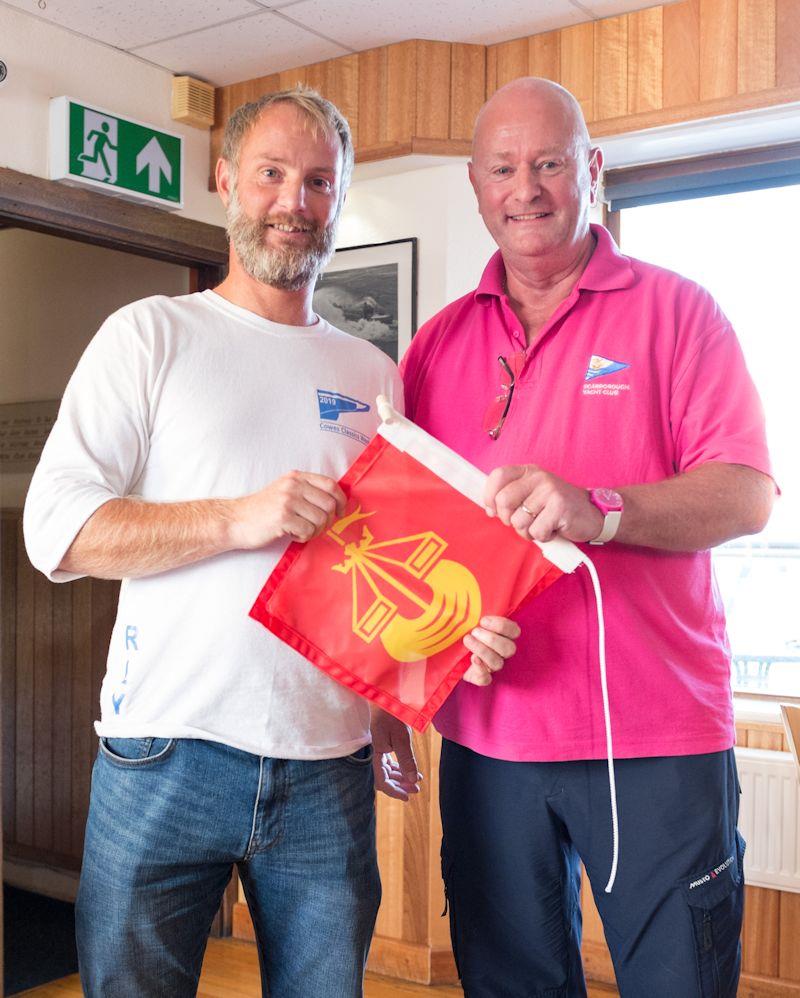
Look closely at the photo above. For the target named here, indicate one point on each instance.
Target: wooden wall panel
(491, 69)
(84, 699)
(645, 62)
(789, 946)
(756, 51)
(787, 43)
(433, 91)
(681, 55)
(337, 79)
(512, 62)
(23, 747)
(718, 48)
(342, 88)
(401, 87)
(372, 96)
(665, 64)
(391, 854)
(419, 852)
(289, 78)
(760, 739)
(544, 55)
(54, 641)
(467, 88)
(62, 719)
(762, 735)
(577, 65)
(611, 67)
(760, 934)
(438, 924)
(316, 76)
(8, 664)
(43, 695)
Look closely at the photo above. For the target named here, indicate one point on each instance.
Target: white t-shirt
(194, 398)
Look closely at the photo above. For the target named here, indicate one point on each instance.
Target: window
(743, 247)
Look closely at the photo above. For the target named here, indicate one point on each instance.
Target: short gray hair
(323, 114)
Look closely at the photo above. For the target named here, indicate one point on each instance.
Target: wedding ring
(528, 511)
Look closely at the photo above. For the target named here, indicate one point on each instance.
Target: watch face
(607, 500)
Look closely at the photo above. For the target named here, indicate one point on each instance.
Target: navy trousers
(515, 834)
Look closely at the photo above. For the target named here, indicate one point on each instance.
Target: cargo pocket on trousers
(716, 899)
(449, 905)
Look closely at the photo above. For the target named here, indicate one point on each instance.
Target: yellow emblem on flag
(403, 573)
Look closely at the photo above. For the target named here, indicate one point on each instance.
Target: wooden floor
(231, 971)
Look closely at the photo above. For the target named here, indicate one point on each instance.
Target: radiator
(769, 818)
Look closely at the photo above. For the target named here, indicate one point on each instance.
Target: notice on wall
(24, 428)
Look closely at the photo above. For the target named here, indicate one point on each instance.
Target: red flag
(382, 600)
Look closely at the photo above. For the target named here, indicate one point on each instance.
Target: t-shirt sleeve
(394, 389)
(715, 411)
(407, 373)
(97, 447)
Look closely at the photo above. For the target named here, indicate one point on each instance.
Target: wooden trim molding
(74, 213)
(411, 97)
(666, 64)
(416, 962)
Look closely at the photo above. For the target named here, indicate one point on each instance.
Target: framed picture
(371, 292)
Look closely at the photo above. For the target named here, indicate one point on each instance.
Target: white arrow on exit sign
(154, 159)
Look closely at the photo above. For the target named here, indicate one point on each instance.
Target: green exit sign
(119, 156)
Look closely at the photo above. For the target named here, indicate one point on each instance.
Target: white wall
(46, 61)
(438, 207)
(55, 293)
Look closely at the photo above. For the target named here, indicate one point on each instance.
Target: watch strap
(610, 527)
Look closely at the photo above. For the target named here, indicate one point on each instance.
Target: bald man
(609, 401)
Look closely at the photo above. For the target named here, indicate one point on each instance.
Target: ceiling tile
(610, 8)
(241, 50)
(125, 25)
(361, 25)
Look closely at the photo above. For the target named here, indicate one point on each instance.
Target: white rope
(601, 633)
(470, 482)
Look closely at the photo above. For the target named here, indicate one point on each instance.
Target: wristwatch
(610, 505)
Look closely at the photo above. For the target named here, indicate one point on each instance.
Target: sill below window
(757, 710)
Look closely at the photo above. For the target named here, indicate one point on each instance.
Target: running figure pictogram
(101, 141)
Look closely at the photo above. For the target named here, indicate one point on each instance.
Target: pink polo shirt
(637, 376)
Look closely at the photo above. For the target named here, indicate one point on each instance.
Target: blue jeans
(168, 820)
(514, 836)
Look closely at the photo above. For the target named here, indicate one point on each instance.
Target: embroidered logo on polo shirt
(332, 405)
(601, 367)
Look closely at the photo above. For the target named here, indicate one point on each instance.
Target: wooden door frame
(57, 209)
(75, 213)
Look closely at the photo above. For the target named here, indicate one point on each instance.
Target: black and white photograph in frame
(371, 292)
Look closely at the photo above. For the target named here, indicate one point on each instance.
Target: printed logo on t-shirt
(332, 406)
(601, 367)
(120, 694)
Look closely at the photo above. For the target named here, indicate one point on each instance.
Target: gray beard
(287, 268)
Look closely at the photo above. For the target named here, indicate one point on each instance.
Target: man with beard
(171, 467)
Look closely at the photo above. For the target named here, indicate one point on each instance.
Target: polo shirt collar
(607, 270)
